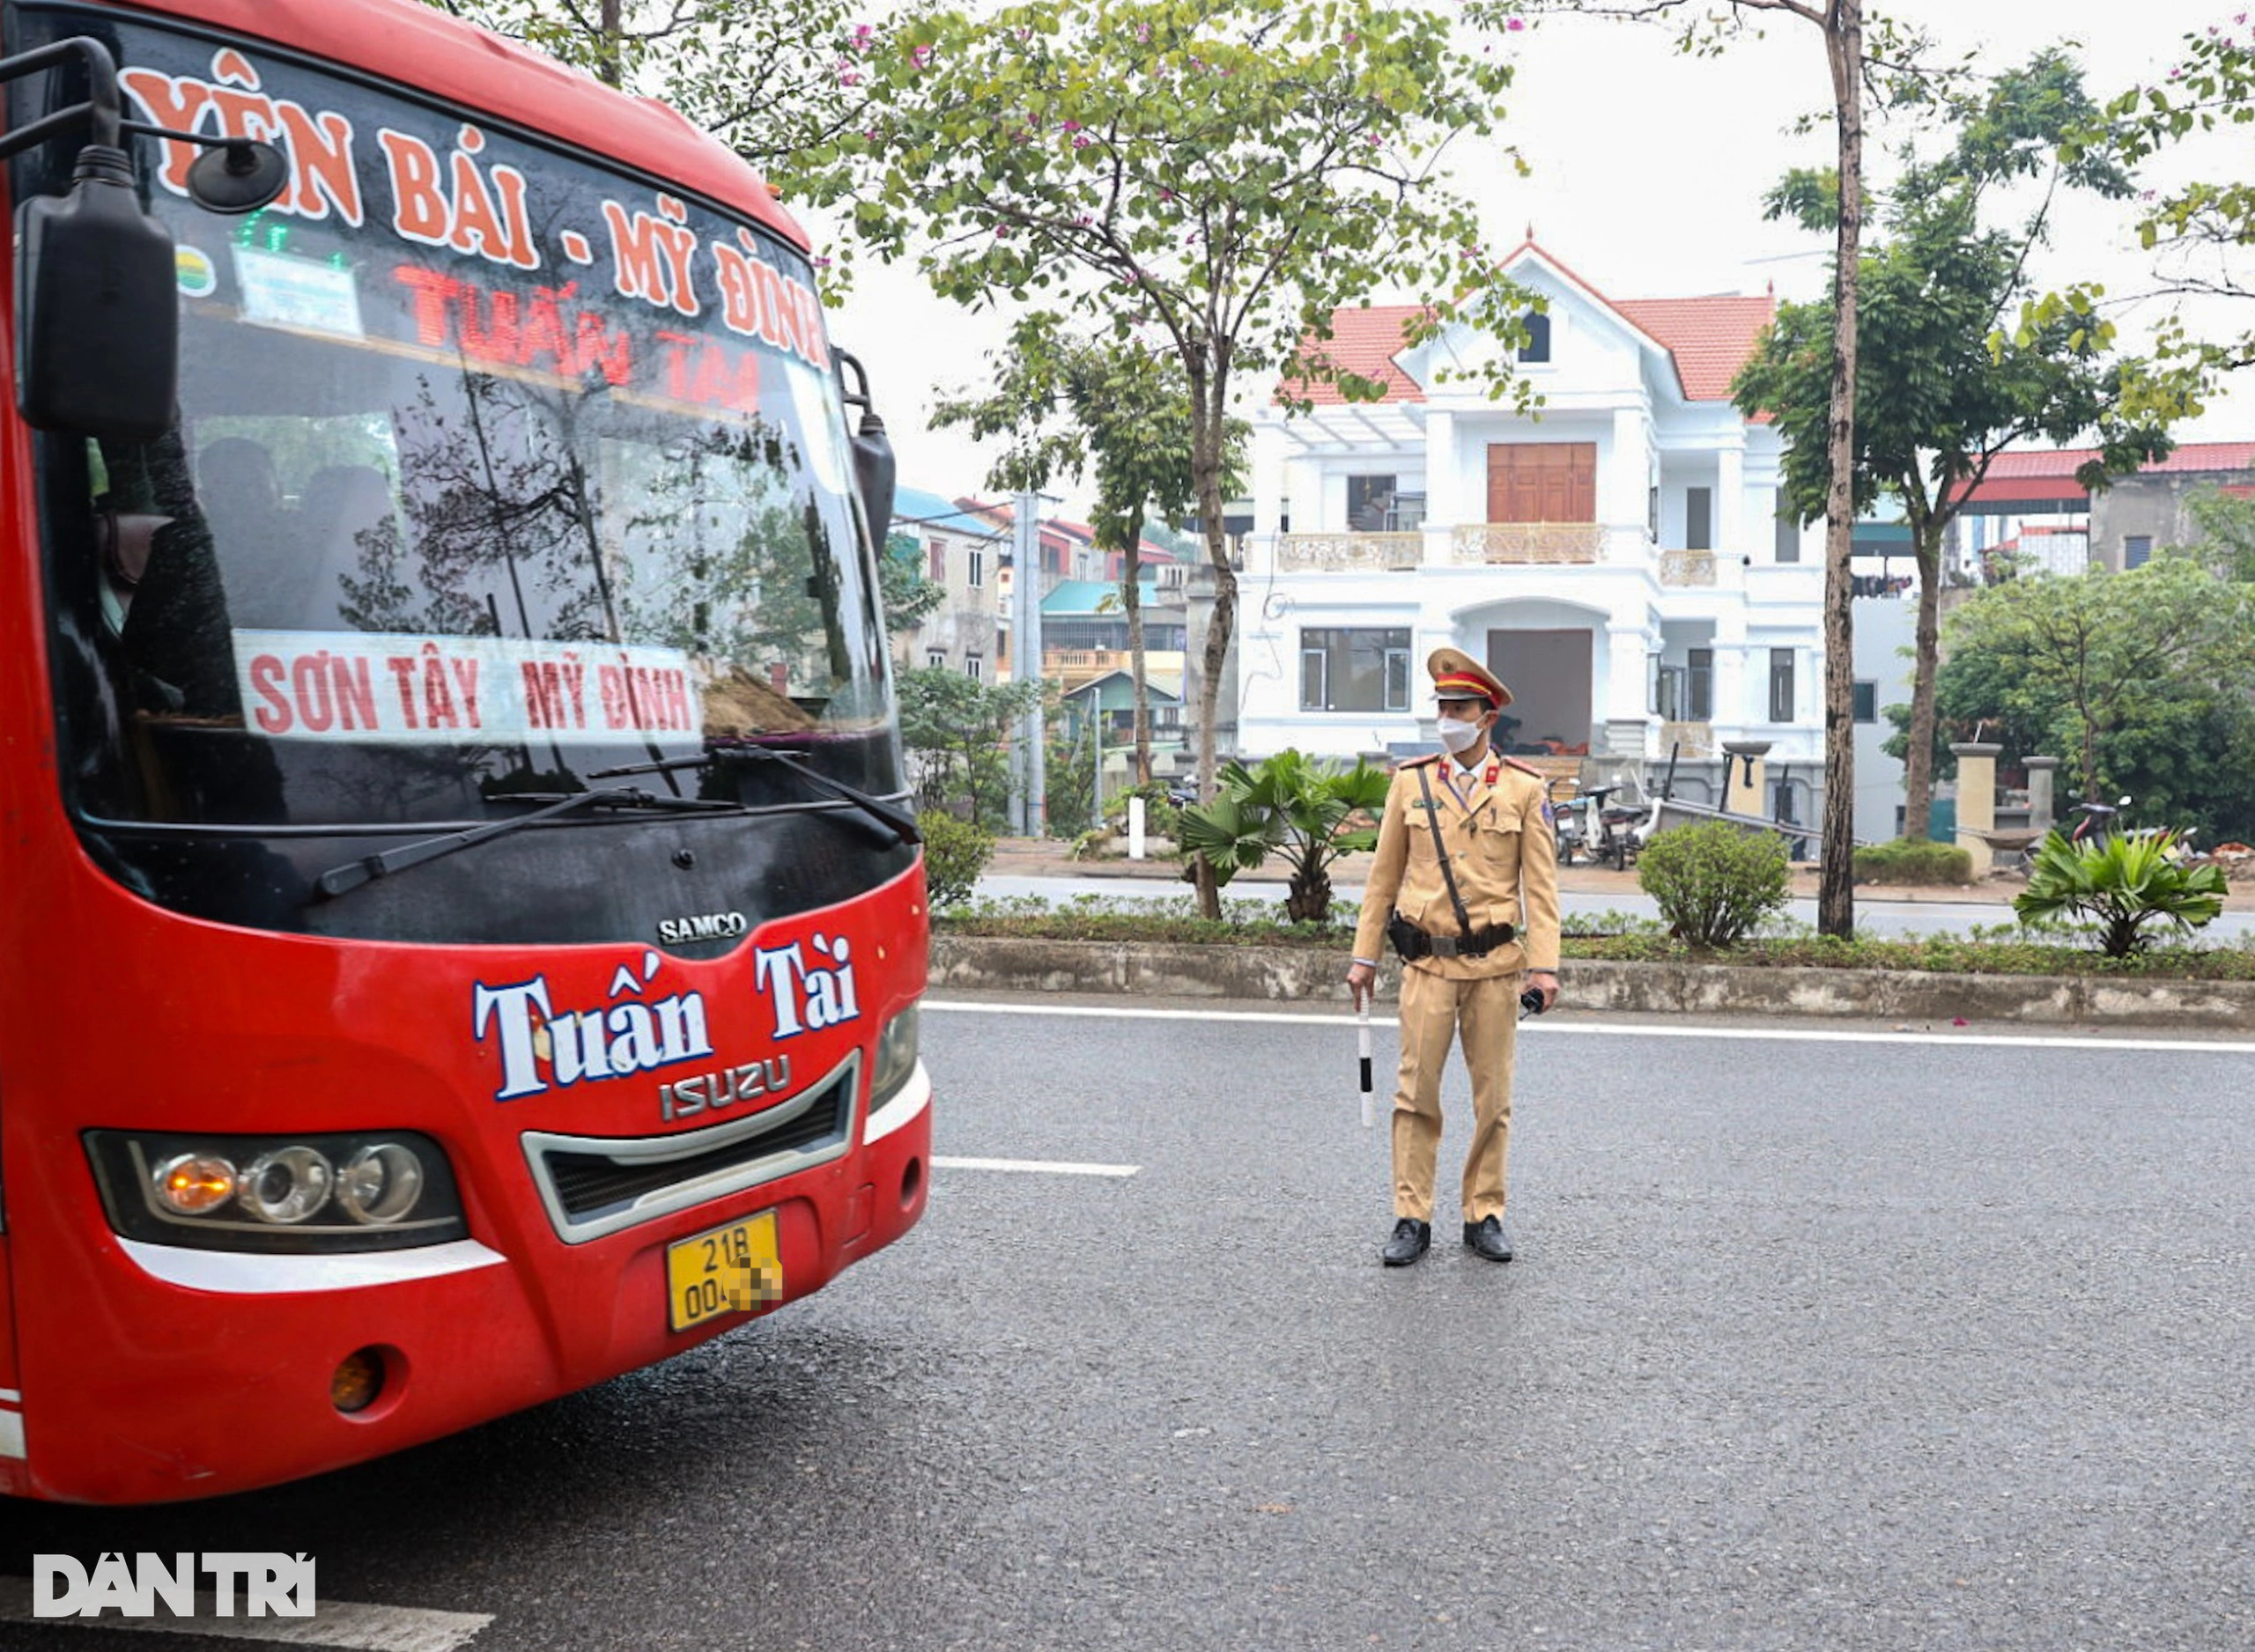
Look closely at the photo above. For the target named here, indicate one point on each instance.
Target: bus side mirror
(97, 315)
(875, 471)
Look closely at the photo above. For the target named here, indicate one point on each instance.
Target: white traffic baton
(1363, 1044)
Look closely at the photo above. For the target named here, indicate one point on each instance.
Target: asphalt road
(1874, 916)
(1819, 1339)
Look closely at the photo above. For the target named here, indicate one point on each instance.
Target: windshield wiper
(339, 879)
(895, 819)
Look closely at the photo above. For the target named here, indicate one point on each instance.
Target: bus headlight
(364, 1190)
(381, 1184)
(286, 1186)
(896, 1057)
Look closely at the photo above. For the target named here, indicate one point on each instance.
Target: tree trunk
(609, 67)
(1209, 418)
(1918, 762)
(1836, 889)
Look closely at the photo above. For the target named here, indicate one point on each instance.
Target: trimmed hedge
(1913, 860)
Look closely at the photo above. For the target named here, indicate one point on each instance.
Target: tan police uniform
(1503, 851)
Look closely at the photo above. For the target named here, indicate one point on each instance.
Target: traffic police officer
(1465, 886)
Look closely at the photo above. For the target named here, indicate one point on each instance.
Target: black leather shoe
(1410, 1239)
(1486, 1236)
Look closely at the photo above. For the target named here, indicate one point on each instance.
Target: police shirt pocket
(1498, 831)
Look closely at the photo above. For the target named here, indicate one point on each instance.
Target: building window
(1700, 684)
(1538, 336)
(1166, 717)
(1867, 701)
(975, 560)
(974, 668)
(1171, 576)
(1788, 548)
(936, 658)
(938, 552)
(2137, 550)
(1651, 515)
(1369, 501)
(1781, 685)
(1698, 519)
(1354, 670)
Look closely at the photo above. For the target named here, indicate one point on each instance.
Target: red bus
(461, 939)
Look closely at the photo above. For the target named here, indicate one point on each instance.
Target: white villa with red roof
(1618, 559)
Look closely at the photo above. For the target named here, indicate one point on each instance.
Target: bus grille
(594, 1185)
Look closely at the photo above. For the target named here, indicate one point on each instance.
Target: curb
(1181, 969)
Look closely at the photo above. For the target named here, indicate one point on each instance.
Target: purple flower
(1080, 142)
(1516, 23)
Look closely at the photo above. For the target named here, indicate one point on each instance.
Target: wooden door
(1542, 482)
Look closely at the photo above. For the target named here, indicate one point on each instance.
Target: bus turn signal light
(196, 1183)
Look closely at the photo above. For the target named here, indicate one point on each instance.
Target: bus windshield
(493, 469)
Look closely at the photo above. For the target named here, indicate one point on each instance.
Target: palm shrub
(955, 852)
(1714, 883)
(1289, 805)
(2123, 884)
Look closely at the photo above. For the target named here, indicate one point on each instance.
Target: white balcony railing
(1341, 553)
(1551, 542)
(1690, 740)
(1687, 567)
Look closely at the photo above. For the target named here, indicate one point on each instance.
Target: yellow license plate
(731, 1270)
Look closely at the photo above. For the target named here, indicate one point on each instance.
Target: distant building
(959, 551)
(1623, 562)
(2030, 506)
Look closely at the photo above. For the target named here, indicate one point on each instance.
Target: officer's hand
(1361, 980)
(1546, 983)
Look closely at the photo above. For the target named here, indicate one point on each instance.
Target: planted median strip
(1612, 961)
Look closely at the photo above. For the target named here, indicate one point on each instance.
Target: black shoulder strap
(1433, 819)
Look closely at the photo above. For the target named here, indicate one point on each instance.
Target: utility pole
(1029, 773)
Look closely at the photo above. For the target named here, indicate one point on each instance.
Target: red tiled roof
(2062, 463)
(1364, 340)
(1710, 338)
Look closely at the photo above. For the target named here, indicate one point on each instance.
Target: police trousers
(1436, 1012)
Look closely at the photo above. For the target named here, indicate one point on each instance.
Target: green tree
(957, 729)
(2145, 681)
(1113, 406)
(1217, 179)
(2226, 525)
(2199, 229)
(1939, 396)
(768, 78)
(1856, 58)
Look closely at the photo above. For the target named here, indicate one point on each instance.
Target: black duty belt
(1414, 943)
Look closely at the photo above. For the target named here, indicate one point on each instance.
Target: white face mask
(1458, 735)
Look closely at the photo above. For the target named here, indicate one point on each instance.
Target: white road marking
(1049, 1167)
(334, 1623)
(1343, 1021)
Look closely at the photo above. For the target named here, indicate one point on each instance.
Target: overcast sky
(1648, 170)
